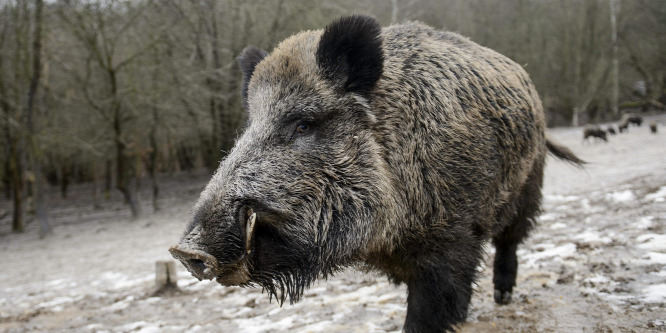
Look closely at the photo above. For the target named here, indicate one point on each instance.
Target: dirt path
(597, 263)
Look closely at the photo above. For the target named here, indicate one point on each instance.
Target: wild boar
(632, 118)
(611, 130)
(402, 149)
(594, 132)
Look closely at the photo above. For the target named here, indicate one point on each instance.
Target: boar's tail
(563, 152)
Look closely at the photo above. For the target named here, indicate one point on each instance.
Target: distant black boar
(631, 118)
(594, 132)
(623, 126)
(611, 130)
(653, 127)
(404, 149)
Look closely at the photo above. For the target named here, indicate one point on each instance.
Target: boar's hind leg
(506, 267)
(506, 242)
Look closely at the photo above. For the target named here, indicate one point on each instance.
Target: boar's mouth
(203, 265)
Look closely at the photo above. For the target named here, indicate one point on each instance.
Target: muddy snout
(204, 266)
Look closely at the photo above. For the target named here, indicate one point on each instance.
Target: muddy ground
(596, 263)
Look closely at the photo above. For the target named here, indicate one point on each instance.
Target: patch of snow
(645, 222)
(549, 217)
(652, 242)
(152, 300)
(153, 328)
(559, 252)
(619, 298)
(190, 283)
(561, 198)
(128, 283)
(112, 276)
(656, 258)
(339, 316)
(591, 236)
(655, 293)
(657, 323)
(557, 226)
(96, 327)
(621, 196)
(321, 326)
(131, 326)
(120, 305)
(388, 297)
(596, 281)
(661, 273)
(659, 196)
(363, 292)
(195, 328)
(59, 301)
(236, 312)
(55, 283)
(251, 325)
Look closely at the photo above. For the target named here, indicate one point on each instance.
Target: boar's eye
(303, 128)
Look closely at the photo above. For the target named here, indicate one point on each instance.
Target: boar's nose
(200, 263)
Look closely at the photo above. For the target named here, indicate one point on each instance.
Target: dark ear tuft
(350, 53)
(248, 60)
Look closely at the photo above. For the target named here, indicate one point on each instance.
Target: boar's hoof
(502, 297)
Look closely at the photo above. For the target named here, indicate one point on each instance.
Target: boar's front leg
(439, 292)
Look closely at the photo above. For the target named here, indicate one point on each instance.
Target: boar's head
(304, 190)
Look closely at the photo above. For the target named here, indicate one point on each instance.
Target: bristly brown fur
(403, 148)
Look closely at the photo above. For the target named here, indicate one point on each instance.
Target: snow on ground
(596, 263)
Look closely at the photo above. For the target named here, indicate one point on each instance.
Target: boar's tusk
(249, 231)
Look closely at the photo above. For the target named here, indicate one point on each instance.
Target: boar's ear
(248, 60)
(350, 53)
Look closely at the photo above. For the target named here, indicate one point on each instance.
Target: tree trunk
(123, 172)
(95, 187)
(64, 180)
(33, 151)
(7, 180)
(13, 111)
(17, 185)
(41, 208)
(123, 183)
(108, 178)
(214, 86)
(615, 63)
(7, 176)
(153, 160)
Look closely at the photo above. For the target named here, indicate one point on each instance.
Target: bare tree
(101, 30)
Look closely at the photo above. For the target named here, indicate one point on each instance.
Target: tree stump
(166, 277)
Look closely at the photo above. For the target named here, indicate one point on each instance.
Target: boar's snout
(203, 265)
(200, 263)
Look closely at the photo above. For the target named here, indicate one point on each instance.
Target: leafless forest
(116, 92)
